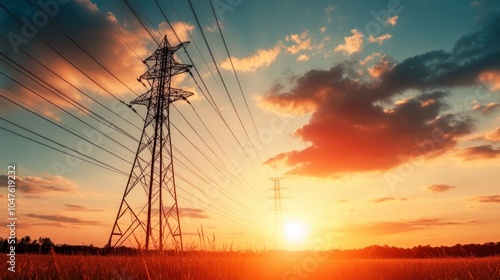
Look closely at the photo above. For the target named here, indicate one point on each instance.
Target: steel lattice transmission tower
(148, 215)
(278, 209)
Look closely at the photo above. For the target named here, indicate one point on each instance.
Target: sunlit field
(248, 266)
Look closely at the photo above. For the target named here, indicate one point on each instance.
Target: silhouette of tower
(278, 215)
(148, 215)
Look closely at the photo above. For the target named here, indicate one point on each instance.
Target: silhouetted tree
(3, 244)
(46, 245)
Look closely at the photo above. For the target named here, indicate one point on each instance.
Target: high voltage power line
(223, 82)
(79, 155)
(98, 117)
(60, 94)
(228, 96)
(213, 104)
(64, 127)
(238, 79)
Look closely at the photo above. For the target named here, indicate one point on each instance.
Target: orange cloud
(73, 207)
(438, 188)
(492, 78)
(485, 199)
(276, 104)
(119, 50)
(486, 109)
(479, 152)
(262, 58)
(302, 42)
(352, 44)
(48, 183)
(490, 107)
(193, 213)
(494, 136)
(380, 68)
(182, 29)
(303, 57)
(64, 219)
(291, 103)
(379, 39)
(352, 128)
(370, 58)
(386, 199)
(347, 132)
(392, 20)
(380, 228)
(491, 137)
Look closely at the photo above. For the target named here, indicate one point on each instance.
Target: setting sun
(295, 231)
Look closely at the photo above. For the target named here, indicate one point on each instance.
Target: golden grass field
(247, 266)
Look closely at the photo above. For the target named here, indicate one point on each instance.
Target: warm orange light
(492, 78)
(295, 231)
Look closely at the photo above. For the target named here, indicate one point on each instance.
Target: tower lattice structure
(148, 216)
(278, 211)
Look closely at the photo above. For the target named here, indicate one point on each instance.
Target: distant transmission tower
(278, 214)
(148, 215)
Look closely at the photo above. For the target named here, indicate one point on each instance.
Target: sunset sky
(383, 117)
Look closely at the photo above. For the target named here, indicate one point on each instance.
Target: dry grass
(246, 266)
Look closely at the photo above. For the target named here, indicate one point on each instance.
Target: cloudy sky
(382, 117)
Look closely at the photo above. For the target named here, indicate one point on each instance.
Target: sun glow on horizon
(295, 231)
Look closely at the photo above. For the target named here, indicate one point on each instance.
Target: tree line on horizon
(45, 246)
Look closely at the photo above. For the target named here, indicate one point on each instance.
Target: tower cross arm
(178, 94)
